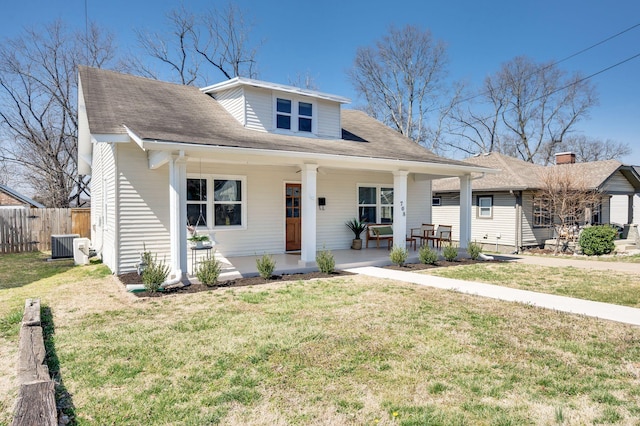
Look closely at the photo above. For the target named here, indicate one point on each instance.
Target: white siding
(143, 208)
(619, 209)
(103, 201)
(233, 101)
(500, 228)
(618, 183)
(329, 120)
(259, 107)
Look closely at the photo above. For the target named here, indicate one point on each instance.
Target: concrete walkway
(626, 267)
(601, 310)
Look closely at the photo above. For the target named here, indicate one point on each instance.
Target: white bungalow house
(264, 167)
(506, 216)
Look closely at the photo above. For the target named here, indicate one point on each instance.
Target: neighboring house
(266, 168)
(11, 199)
(506, 216)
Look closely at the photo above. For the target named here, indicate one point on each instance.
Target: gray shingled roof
(520, 175)
(156, 110)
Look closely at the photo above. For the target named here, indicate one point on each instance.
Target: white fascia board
(110, 138)
(137, 139)
(85, 149)
(241, 81)
(325, 160)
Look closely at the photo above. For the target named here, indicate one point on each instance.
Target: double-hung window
(294, 115)
(541, 212)
(225, 209)
(485, 207)
(375, 203)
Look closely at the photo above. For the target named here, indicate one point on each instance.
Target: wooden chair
(380, 232)
(423, 233)
(443, 233)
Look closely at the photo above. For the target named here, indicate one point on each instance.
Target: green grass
(601, 286)
(351, 351)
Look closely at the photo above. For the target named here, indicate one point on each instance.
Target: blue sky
(321, 37)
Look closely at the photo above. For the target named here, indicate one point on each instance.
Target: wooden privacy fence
(31, 229)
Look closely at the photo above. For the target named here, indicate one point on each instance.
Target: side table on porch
(194, 256)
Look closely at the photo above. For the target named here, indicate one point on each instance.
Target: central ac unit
(62, 246)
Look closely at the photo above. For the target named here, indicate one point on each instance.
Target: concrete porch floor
(245, 266)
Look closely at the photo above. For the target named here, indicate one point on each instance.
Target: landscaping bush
(399, 255)
(597, 240)
(266, 265)
(474, 250)
(450, 252)
(326, 262)
(427, 255)
(209, 271)
(155, 273)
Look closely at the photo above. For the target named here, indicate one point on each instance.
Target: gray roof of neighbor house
(520, 175)
(155, 110)
(18, 196)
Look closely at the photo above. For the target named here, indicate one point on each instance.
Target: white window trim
(295, 101)
(378, 205)
(490, 207)
(211, 203)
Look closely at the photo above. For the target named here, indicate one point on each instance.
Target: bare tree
(38, 119)
(567, 196)
(401, 80)
(526, 110)
(591, 149)
(194, 45)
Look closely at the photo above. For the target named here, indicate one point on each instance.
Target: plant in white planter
(198, 240)
(357, 228)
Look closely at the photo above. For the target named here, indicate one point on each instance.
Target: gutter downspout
(518, 236)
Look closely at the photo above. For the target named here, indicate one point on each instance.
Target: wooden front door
(293, 211)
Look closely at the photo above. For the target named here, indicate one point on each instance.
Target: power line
(573, 55)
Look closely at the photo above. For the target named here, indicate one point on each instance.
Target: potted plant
(198, 240)
(357, 227)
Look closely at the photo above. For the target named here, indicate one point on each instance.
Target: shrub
(326, 262)
(209, 271)
(266, 265)
(427, 255)
(474, 250)
(450, 252)
(398, 255)
(597, 240)
(155, 273)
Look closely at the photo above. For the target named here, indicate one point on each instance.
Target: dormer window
(294, 115)
(284, 114)
(305, 113)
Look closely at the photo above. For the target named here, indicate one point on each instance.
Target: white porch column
(308, 250)
(178, 212)
(465, 210)
(400, 208)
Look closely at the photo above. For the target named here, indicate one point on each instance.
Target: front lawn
(597, 285)
(348, 350)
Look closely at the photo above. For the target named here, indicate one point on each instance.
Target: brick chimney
(565, 158)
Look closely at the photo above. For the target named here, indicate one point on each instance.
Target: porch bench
(380, 232)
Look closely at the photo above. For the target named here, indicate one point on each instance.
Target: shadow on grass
(20, 269)
(64, 403)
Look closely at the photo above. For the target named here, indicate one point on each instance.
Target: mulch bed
(134, 278)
